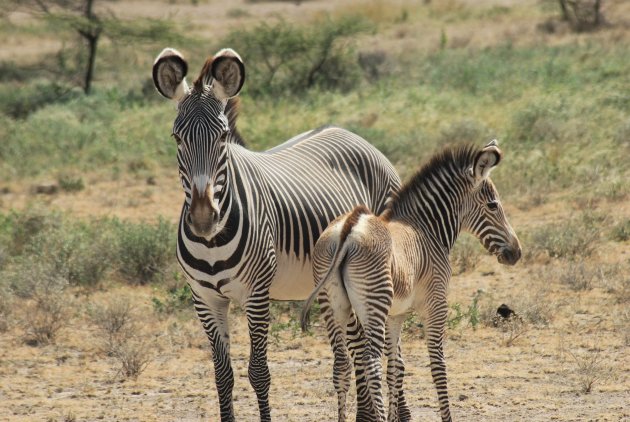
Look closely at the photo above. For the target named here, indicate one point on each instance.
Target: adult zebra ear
(169, 73)
(487, 159)
(226, 73)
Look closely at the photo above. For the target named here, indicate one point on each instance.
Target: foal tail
(340, 253)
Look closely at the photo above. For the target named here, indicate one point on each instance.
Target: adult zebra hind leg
(257, 310)
(213, 314)
(398, 409)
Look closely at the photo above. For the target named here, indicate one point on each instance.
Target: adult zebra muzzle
(509, 255)
(203, 214)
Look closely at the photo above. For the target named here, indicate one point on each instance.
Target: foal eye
(493, 206)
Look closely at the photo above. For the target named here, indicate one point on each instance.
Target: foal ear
(228, 73)
(169, 72)
(487, 159)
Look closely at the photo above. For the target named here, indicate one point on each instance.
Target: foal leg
(335, 309)
(398, 409)
(371, 299)
(436, 316)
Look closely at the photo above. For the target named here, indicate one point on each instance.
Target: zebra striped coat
(250, 219)
(381, 267)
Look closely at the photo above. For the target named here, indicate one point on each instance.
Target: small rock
(50, 188)
(463, 397)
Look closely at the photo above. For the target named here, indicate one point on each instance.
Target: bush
(465, 254)
(145, 251)
(178, 297)
(78, 252)
(571, 239)
(283, 58)
(621, 231)
(46, 306)
(133, 357)
(19, 100)
(114, 322)
(18, 229)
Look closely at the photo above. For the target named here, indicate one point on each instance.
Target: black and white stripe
(382, 267)
(250, 219)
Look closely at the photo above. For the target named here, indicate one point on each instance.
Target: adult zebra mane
(454, 159)
(231, 112)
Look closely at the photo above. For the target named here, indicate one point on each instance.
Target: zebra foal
(250, 219)
(381, 267)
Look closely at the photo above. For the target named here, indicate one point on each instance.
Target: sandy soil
(536, 378)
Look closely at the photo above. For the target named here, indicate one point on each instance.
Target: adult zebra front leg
(257, 310)
(213, 314)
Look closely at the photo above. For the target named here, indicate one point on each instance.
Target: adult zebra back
(250, 219)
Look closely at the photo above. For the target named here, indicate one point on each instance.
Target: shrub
(178, 297)
(133, 357)
(114, 321)
(78, 252)
(19, 100)
(70, 183)
(285, 58)
(621, 231)
(465, 254)
(579, 277)
(18, 229)
(570, 239)
(590, 369)
(5, 308)
(144, 250)
(46, 306)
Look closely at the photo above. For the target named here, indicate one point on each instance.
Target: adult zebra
(250, 219)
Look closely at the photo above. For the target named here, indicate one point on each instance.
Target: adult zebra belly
(293, 279)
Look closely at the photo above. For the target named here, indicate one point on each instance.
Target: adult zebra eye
(177, 139)
(493, 206)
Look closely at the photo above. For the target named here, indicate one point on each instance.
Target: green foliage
(465, 254)
(621, 231)
(145, 251)
(471, 314)
(178, 298)
(81, 253)
(71, 183)
(575, 238)
(19, 100)
(284, 58)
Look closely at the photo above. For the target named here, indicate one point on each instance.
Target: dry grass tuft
(590, 368)
(118, 328)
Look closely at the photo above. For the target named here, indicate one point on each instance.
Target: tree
(80, 17)
(582, 15)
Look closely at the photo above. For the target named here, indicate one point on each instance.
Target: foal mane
(454, 159)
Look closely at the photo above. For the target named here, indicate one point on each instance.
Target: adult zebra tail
(351, 220)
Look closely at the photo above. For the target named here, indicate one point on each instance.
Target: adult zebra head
(202, 129)
(483, 213)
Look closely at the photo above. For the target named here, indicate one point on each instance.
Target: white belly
(294, 279)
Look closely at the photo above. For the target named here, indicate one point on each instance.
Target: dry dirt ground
(539, 377)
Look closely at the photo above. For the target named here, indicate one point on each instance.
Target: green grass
(559, 112)
(56, 247)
